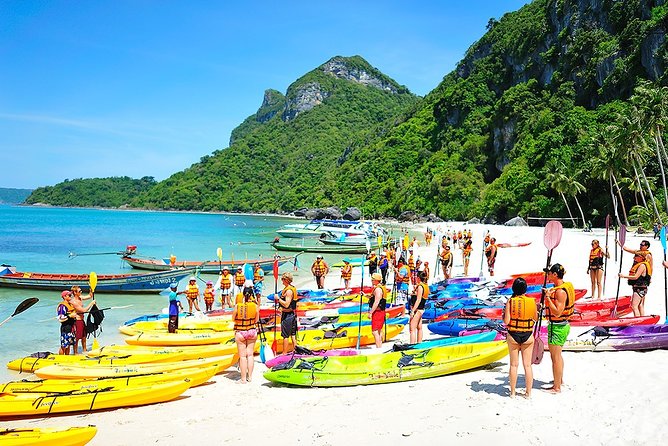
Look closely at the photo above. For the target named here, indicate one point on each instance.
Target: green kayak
(336, 371)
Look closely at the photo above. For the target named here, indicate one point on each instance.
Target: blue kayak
(452, 327)
(486, 336)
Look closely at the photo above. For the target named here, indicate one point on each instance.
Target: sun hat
(65, 293)
(192, 279)
(376, 276)
(209, 283)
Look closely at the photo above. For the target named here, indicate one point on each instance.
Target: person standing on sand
(246, 316)
(639, 278)
(287, 302)
(466, 256)
(79, 325)
(225, 288)
(66, 317)
(519, 317)
(192, 294)
(490, 253)
(346, 273)
(209, 296)
(384, 265)
(377, 303)
(373, 263)
(446, 261)
(418, 301)
(319, 269)
(258, 282)
(174, 307)
(401, 278)
(595, 269)
(239, 280)
(559, 303)
(644, 249)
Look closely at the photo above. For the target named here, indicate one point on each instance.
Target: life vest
(467, 252)
(258, 275)
(319, 268)
(488, 251)
(66, 311)
(425, 291)
(226, 281)
(383, 300)
(596, 257)
(293, 303)
(487, 239)
(209, 295)
(172, 260)
(192, 292)
(411, 262)
(347, 272)
(245, 317)
(239, 279)
(426, 271)
(522, 312)
(446, 257)
(568, 306)
(406, 277)
(645, 279)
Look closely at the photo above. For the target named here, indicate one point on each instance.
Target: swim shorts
(557, 334)
(66, 336)
(288, 325)
(79, 329)
(402, 297)
(377, 320)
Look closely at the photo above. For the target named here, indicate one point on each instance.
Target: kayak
(332, 339)
(189, 351)
(73, 436)
(90, 372)
(196, 376)
(604, 320)
(38, 404)
(452, 327)
(32, 363)
(213, 324)
(629, 338)
(410, 365)
(179, 339)
(316, 321)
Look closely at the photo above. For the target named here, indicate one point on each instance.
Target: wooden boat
(106, 283)
(205, 266)
(338, 249)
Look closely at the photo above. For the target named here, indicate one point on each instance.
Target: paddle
(219, 253)
(359, 325)
(620, 241)
(92, 283)
(23, 306)
(482, 255)
(551, 239)
(665, 273)
(605, 268)
(265, 352)
(274, 344)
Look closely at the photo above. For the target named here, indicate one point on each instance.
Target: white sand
(615, 398)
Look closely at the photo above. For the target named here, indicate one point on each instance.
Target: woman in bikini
(246, 316)
(595, 269)
(519, 317)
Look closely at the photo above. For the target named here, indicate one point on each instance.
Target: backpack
(94, 320)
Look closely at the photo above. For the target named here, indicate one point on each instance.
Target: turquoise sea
(39, 239)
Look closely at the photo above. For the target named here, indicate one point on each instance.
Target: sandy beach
(615, 398)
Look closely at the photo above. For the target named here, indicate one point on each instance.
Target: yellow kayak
(333, 339)
(179, 339)
(189, 351)
(196, 376)
(73, 436)
(30, 364)
(38, 404)
(189, 324)
(90, 372)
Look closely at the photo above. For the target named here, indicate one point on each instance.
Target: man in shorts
(401, 278)
(559, 304)
(287, 302)
(66, 317)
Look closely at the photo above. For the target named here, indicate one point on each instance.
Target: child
(209, 294)
(346, 273)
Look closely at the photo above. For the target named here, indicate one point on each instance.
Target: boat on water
(332, 228)
(106, 283)
(205, 266)
(322, 248)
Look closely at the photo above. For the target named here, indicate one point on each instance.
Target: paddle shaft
(619, 281)
(605, 268)
(359, 324)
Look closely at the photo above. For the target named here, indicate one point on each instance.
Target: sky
(140, 88)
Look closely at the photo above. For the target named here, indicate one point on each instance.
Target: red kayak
(595, 304)
(607, 321)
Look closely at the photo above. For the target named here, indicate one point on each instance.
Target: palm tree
(609, 166)
(560, 183)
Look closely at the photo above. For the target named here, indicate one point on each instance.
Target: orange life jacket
(239, 279)
(319, 267)
(226, 281)
(258, 274)
(643, 280)
(383, 300)
(347, 272)
(568, 306)
(522, 313)
(596, 257)
(245, 317)
(192, 292)
(406, 277)
(209, 295)
(293, 303)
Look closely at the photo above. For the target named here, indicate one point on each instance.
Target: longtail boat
(339, 249)
(106, 283)
(204, 267)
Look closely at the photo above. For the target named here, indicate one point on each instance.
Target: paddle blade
(663, 237)
(92, 281)
(538, 350)
(275, 270)
(219, 253)
(621, 237)
(607, 222)
(263, 357)
(552, 234)
(23, 306)
(96, 345)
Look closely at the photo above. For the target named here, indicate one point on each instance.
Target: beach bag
(94, 320)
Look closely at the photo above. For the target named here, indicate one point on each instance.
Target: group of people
(70, 313)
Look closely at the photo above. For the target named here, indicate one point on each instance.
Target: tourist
(418, 301)
(192, 294)
(490, 253)
(246, 316)
(79, 323)
(559, 302)
(319, 269)
(595, 268)
(258, 282)
(401, 278)
(446, 261)
(225, 288)
(377, 302)
(644, 249)
(288, 304)
(384, 265)
(639, 278)
(66, 317)
(373, 263)
(466, 256)
(209, 296)
(174, 308)
(427, 270)
(519, 317)
(346, 273)
(239, 280)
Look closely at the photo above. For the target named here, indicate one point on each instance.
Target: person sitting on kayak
(287, 302)
(377, 302)
(418, 301)
(639, 278)
(246, 316)
(595, 269)
(346, 273)
(559, 304)
(192, 294)
(519, 317)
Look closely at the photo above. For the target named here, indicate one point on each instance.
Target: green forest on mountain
(558, 110)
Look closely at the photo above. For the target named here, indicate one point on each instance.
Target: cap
(376, 276)
(192, 279)
(209, 283)
(225, 268)
(238, 268)
(65, 293)
(173, 285)
(346, 260)
(318, 256)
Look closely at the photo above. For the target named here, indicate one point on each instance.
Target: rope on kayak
(409, 361)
